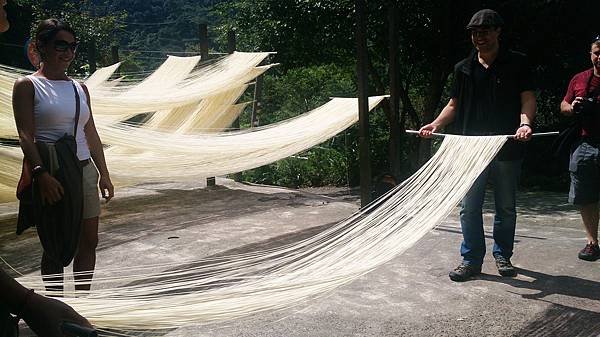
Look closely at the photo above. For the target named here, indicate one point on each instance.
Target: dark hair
(47, 30)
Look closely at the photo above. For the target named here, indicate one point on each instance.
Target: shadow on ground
(560, 321)
(172, 210)
(557, 320)
(547, 285)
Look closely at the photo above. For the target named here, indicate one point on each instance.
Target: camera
(587, 106)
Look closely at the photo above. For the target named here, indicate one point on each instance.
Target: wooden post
(203, 36)
(363, 103)
(394, 100)
(256, 105)
(114, 51)
(231, 47)
(92, 55)
(231, 42)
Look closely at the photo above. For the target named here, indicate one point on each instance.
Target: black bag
(58, 225)
(565, 143)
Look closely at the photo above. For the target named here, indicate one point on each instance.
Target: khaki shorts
(91, 194)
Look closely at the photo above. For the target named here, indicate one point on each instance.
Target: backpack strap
(77, 108)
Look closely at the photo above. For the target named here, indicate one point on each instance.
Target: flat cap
(486, 17)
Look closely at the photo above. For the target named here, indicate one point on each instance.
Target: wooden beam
(231, 47)
(394, 100)
(203, 35)
(363, 103)
(256, 104)
(114, 52)
(231, 42)
(92, 55)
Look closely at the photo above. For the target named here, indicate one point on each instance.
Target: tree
(90, 21)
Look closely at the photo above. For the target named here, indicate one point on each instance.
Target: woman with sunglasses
(45, 106)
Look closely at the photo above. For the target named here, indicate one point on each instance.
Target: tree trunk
(434, 93)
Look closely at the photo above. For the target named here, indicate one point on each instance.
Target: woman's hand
(45, 316)
(106, 187)
(50, 189)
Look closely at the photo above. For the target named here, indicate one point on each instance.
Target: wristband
(525, 124)
(37, 170)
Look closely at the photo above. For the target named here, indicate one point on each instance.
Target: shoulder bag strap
(77, 108)
(591, 93)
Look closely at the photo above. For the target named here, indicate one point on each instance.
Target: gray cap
(486, 17)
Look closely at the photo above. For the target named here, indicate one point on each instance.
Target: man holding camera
(582, 100)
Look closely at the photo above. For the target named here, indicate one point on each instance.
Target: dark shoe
(464, 272)
(590, 252)
(505, 268)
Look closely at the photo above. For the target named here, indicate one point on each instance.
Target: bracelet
(21, 311)
(525, 124)
(37, 170)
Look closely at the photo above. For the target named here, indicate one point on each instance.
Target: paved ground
(555, 294)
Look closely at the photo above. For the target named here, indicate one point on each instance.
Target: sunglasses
(62, 46)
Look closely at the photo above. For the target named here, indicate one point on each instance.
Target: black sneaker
(590, 252)
(464, 272)
(505, 268)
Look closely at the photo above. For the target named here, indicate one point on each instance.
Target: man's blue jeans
(504, 177)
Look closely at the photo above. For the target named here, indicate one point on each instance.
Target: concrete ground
(555, 294)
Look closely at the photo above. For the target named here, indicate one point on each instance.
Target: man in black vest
(492, 94)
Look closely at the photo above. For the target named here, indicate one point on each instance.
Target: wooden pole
(231, 47)
(114, 51)
(363, 103)
(394, 100)
(256, 105)
(203, 36)
(231, 42)
(92, 55)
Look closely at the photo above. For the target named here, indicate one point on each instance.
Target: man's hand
(524, 133)
(575, 104)
(45, 316)
(427, 130)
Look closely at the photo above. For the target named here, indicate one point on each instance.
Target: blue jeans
(504, 176)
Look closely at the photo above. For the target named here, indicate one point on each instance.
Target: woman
(45, 105)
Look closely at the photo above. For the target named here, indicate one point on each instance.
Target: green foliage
(83, 16)
(302, 32)
(303, 89)
(318, 166)
(154, 29)
(287, 95)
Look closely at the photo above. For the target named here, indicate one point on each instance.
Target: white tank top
(54, 112)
